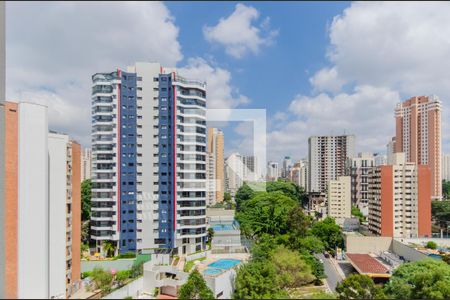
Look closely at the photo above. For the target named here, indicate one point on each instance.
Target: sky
(317, 68)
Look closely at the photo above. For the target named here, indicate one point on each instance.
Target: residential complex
(40, 204)
(148, 160)
(358, 168)
(400, 199)
(216, 167)
(327, 156)
(234, 173)
(339, 198)
(272, 171)
(86, 155)
(299, 174)
(418, 135)
(251, 168)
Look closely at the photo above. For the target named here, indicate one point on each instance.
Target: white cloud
(238, 34)
(326, 80)
(220, 92)
(54, 48)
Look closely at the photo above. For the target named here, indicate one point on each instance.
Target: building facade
(272, 171)
(149, 160)
(86, 155)
(299, 174)
(358, 168)
(339, 199)
(418, 135)
(446, 167)
(215, 150)
(41, 207)
(234, 173)
(286, 168)
(400, 199)
(327, 156)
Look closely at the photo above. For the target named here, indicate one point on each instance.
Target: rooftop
(368, 265)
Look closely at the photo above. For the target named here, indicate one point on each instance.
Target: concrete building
(380, 159)
(327, 156)
(234, 173)
(272, 171)
(299, 174)
(390, 150)
(211, 179)
(148, 160)
(358, 168)
(287, 165)
(215, 149)
(418, 135)
(339, 199)
(86, 155)
(41, 206)
(400, 199)
(446, 167)
(251, 168)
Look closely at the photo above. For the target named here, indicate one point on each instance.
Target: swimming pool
(224, 264)
(212, 271)
(221, 227)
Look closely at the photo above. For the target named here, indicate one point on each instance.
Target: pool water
(212, 271)
(221, 227)
(224, 264)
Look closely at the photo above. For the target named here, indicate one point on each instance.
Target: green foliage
(102, 280)
(109, 248)
(84, 247)
(128, 297)
(440, 211)
(446, 258)
(321, 295)
(446, 189)
(316, 266)
(126, 255)
(243, 194)
(290, 189)
(263, 248)
(291, 269)
(86, 186)
(210, 235)
(298, 222)
(86, 274)
(258, 280)
(328, 232)
(226, 197)
(188, 266)
(137, 269)
(358, 286)
(311, 244)
(357, 213)
(265, 213)
(122, 276)
(425, 279)
(195, 288)
(431, 245)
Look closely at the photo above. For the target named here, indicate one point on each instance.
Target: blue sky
(318, 68)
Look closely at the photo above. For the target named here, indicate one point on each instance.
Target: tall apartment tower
(86, 155)
(272, 171)
(358, 168)
(418, 135)
(234, 172)
(215, 149)
(446, 167)
(287, 164)
(400, 199)
(327, 156)
(339, 199)
(299, 174)
(40, 206)
(148, 160)
(251, 168)
(210, 179)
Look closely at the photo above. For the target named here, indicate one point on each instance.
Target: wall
(33, 202)
(2, 196)
(367, 244)
(223, 283)
(408, 253)
(57, 153)
(219, 212)
(198, 255)
(132, 289)
(119, 265)
(438, 241)
(76, 211)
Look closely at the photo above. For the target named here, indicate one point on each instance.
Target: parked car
(326, 254)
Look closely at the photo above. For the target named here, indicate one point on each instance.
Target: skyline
(332, 82)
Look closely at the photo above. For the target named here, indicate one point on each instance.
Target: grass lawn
(188, 266)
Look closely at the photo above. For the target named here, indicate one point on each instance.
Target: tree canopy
(328, 232)
(195, 288)
(86, 200)
(357, 286)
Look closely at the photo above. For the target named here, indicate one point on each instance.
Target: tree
(446, 189)
(109, 248)
(291, 269)
(311, 244)
(358, 286)
(298, 222)
(357, 213)
(210, 235)
(122, 276)
(102, 279)
(226, 197)
(328, 232)
(195, 288)
(440, 212)
(316, 266)
(86, 186)
(258, 280)
(265, 213)
(431, 245)
(424, 279)
(243, 194)
(263, 248)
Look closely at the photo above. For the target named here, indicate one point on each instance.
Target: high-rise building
(148, 160)
(210, 179)
(400, 199)
(215, 148)
(327, 156)
(234, 173)
(40, 206)
(418, 135)
(446, 167)
(272, 171)
(299, 174)
(251, 168)
(358, 168)
(287, 164)
(390, 150)
(86, 164)
(339, 199)
(380, 159)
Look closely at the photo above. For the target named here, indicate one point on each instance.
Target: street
(332, 275)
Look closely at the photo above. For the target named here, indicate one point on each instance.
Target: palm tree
(109, 248)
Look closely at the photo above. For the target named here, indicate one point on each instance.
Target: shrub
(127, 255)
(86, 274)
(137, 269)
(102, 280)
(122, 276)
(431, 245)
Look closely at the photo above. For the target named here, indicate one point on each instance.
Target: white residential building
(339, 199)
(358, 168)
(272, 171)
(446, 167)
(86, 164)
